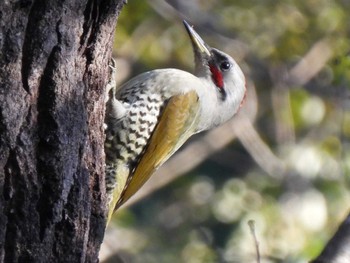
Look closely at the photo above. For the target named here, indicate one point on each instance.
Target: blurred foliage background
(284, 162)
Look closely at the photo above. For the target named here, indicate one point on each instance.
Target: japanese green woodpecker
(152, 115)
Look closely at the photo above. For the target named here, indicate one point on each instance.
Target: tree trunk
(53, 69)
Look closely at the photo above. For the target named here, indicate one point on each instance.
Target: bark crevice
(53, 69)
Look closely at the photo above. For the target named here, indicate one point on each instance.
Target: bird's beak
(198, 44)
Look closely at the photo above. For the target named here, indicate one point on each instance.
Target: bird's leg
(114, 108)
(112, 82)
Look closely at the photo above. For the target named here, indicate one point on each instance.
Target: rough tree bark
(53, 68)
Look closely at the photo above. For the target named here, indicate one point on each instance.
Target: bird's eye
(224, 66)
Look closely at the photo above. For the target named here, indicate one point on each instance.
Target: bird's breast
(146, 96)
(128, 137)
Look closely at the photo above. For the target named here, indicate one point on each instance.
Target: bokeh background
(283, 162)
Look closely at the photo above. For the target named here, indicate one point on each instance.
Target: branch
(337, 250)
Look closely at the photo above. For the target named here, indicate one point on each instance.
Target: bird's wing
(176, 124)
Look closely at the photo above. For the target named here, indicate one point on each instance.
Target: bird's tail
(115, 183)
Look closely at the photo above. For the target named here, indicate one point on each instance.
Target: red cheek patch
(216, 76)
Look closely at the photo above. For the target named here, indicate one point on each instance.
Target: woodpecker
(152, 115)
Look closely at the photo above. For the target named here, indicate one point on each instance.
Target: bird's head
(222, 71)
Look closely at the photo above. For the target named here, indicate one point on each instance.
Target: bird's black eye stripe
(223, 94)
(224, 66)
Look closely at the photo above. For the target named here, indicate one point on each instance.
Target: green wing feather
(176, 124)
